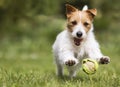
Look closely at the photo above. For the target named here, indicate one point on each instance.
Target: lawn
(27, 60)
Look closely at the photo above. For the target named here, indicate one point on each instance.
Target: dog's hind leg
(72, 71)
(59, 70)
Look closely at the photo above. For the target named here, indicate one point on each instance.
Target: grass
(27, 61)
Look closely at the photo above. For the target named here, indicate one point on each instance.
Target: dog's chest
(79, 52)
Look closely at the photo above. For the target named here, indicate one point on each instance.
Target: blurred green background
(28, 29)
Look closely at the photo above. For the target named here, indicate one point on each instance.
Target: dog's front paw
(70, 62)
(104, 60)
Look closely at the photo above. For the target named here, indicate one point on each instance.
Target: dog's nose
(79, 34)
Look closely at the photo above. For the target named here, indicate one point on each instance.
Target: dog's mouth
(77, 41)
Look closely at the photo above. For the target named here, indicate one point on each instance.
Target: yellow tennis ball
(89, 66)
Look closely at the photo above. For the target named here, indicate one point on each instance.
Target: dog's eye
(74, 22)
(86, 24)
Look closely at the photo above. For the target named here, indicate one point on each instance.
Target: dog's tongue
(77, 41)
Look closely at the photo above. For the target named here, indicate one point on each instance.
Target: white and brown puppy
(77, 41)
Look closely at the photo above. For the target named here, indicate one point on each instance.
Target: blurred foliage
(28, 28)
(14, 14)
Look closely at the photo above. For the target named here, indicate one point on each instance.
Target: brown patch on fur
(86, 21)
(75, 16)
(92, 11)
(70, 9)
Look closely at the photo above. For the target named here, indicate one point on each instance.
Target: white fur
(85, 8)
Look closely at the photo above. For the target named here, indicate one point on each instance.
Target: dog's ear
(70, 9)
(93, 12)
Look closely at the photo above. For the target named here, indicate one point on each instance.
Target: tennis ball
(89, 66)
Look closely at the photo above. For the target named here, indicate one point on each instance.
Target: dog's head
(79, 22)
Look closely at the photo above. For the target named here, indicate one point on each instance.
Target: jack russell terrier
(77, 41)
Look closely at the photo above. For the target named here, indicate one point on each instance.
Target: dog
(77, 41)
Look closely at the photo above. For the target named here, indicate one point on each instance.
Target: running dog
(77, 41)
